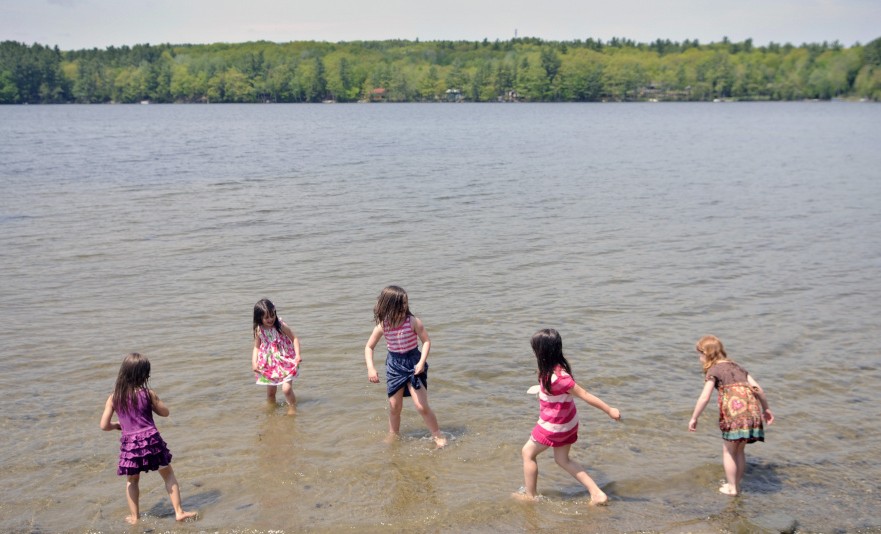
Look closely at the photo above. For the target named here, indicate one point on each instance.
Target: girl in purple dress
(141, 447)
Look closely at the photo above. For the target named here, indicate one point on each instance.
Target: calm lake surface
(632, 228)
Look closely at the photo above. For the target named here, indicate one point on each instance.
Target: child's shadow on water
(619, 492)
(760, 477)
(451, 433)
(195, 503)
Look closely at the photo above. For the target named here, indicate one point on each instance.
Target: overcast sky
(75, 24)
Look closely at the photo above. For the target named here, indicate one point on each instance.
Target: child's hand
(297, 361)
(768, 416)
(418, 368)
(615, 414)
(692, 425)
(372, 376)
(116, 426)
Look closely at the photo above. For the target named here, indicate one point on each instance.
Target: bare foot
(391, 438)
(186, 515)
(726, 489)
(292, 409)
(600, 499)
(440, 441)
(522, 496)
(131, 519)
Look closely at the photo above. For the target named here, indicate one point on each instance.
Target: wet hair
(392, 306)
(133, 375)
(712, 349)
(263, 308)
(548, 348)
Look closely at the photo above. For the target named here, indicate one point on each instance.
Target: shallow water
(633, 229)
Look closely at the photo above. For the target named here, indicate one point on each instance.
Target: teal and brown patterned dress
(740, 412)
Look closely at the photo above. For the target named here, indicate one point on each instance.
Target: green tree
(130, 85)
(872, 53)
(582, 76)
(8, 89)
(429, 85)
(185, 86)
(279, 83)
(237, 86)
(343, 84)
(623, 75)
(91, 84)
(457, 78)
(868, 83)
(550, 63)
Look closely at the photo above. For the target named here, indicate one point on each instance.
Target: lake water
(632, 228)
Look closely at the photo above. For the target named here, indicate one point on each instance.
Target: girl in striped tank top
(406, 368)
(557, 425)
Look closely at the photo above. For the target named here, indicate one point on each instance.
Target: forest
(520, 69)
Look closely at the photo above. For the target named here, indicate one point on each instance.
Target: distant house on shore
(378, 94)
(453, 95)
(510, 96)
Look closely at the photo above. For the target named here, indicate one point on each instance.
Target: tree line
(520, 69)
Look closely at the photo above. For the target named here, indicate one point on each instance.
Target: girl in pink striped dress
(557, 425)
(406, 367)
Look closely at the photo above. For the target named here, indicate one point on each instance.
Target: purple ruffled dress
(140, 446)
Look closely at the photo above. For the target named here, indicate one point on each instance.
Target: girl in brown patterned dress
(740, 413)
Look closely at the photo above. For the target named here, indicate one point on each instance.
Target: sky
(77, 24)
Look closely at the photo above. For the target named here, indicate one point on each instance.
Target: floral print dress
(740, 413)
(275, 358)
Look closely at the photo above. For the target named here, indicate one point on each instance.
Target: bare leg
(729, 462)
(133, 495)
(530, 469)
(270, 394)
(561, 456)
(395, 404)
(740, 457)
(288, 389)
(420, 400)
(173, 489)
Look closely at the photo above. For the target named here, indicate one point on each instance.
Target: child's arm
(286, 330)
(595, 401)
(419, 328)
(254, 355)
(702, 402)
(368, 353)
(159, 407)
(107, 415)
(760, 394)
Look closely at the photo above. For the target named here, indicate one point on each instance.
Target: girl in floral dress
(740, 413)
(276, 356)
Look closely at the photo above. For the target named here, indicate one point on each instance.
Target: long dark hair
(392, 306)
(133, 375)
(548, 348)
(261, 309)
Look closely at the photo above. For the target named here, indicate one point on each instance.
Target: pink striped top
(402, 338)
(557, 419)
